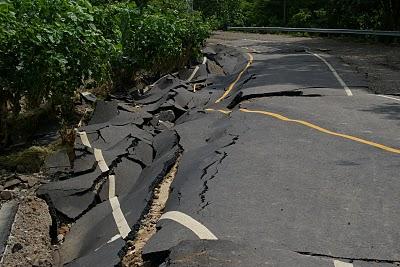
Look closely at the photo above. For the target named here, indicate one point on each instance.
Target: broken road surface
(286, 159)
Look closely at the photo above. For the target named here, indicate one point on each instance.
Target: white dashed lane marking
(342, 264)
(196, 227)
(84, 139)
(332, 69)
(388, 97)
(98, 154)
(119, 218)
(116, 237)
(196, 69)
(337, 76)
(111, 186)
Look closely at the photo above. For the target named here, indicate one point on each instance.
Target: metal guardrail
(317, 30)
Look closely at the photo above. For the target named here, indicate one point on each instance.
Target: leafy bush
(48, 48)
(161, 40)
(222, 13)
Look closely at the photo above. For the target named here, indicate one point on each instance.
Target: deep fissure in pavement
(132, 253)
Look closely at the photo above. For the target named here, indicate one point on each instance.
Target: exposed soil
(29, 243)
(380, 63)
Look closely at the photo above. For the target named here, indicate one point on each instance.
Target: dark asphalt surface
(310, 177)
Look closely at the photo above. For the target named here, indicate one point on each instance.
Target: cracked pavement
(279, 166)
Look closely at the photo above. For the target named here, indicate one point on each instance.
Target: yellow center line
(232, 85)
(318, 128)
(315, 127)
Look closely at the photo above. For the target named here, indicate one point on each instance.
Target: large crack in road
(249, 190)
(121, 157)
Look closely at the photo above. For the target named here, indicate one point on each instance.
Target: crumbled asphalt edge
(131, 254)
(60, 219)
(7, 225)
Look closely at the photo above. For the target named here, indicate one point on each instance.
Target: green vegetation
(162, 40)
(50, 48)
(222, 13)
(29, 160)
(355, 14)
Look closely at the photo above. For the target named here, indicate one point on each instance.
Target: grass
(29, 160)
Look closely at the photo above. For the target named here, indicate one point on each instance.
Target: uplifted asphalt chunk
(84, 164)
(214, 69)
(127, 173)
(72, 185)
(138, 112)
(190, 116)
(114, 134)
(89, 233)
(125, 117)
(73, 196)
(185, 73)
(166, 115)
(118, 150)
(88, 97)
(57, 160)
(104, 111)
(199, 100)
(183, 97)
(229, 58)
(58, 163)
(142, 152)
(209, 50)
(170, 82)
(165, 141)
(105, 256)
(71, 205)
(160, 90)
(171, 104)
(201, 74)
(154, 95)
(161, 240)
(152, 107)
(194, 253)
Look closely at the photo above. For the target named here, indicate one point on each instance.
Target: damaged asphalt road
(279, 166)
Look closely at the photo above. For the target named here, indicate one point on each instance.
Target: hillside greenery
(51, 48)
(355, 14)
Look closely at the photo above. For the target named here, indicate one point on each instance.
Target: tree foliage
(49, 48)
(357, 14)
(162, 41)
(221, 12)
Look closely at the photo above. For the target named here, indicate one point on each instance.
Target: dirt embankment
(29, 242)
(380, 63)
